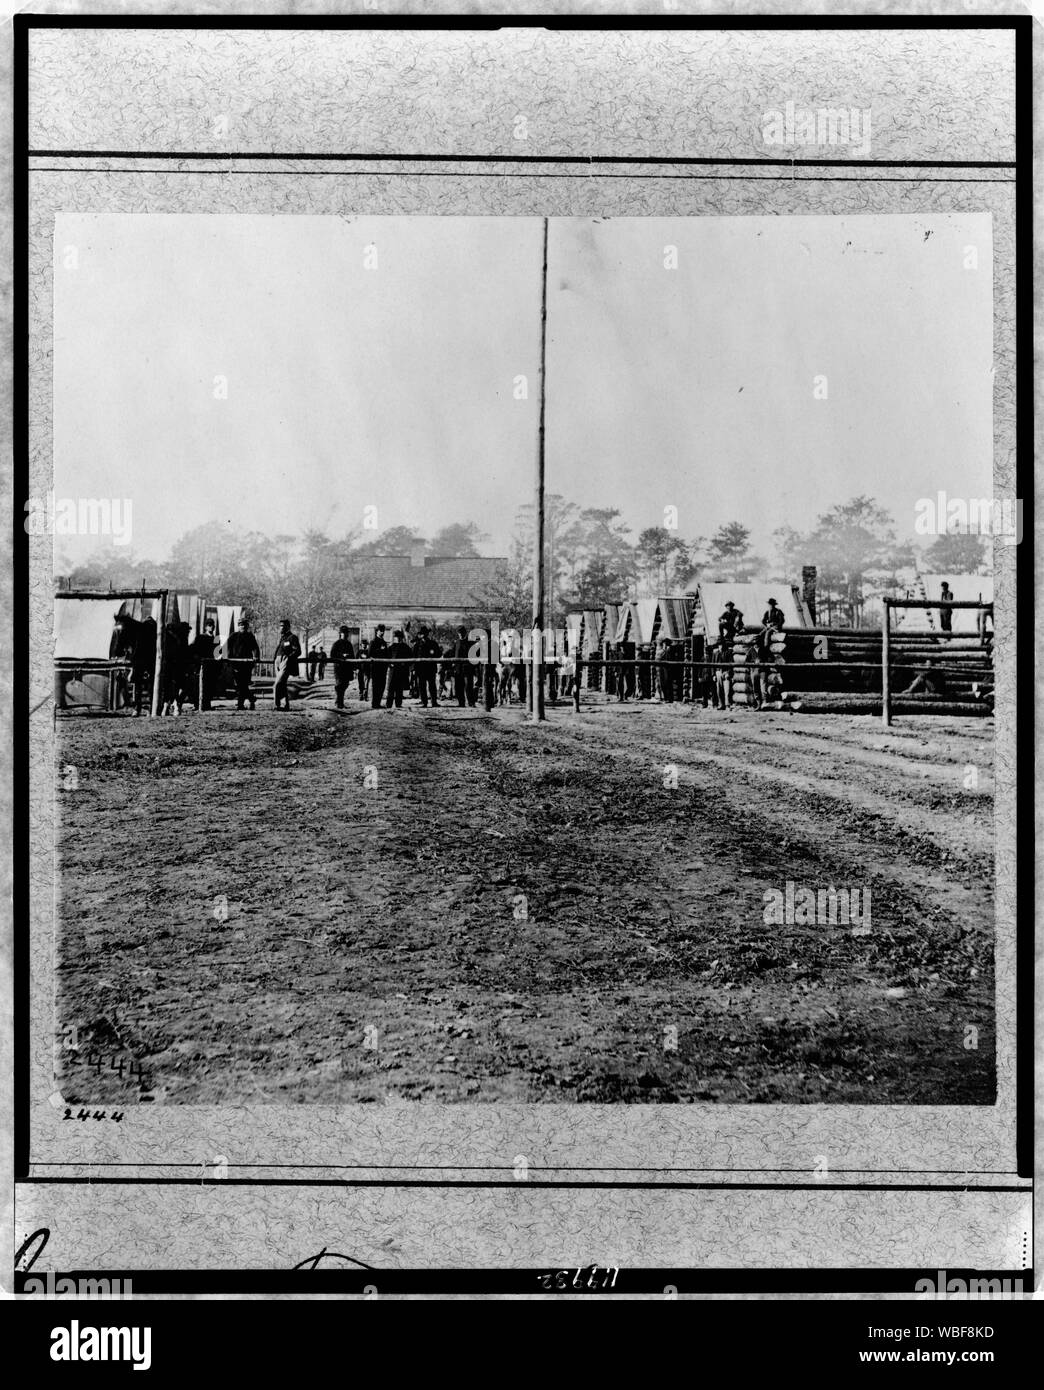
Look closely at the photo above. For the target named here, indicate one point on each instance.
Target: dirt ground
(454, 906)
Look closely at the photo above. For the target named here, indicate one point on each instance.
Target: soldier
(665, 671)
(463, 670)
(341, 654)
(243, 651)
(622, 672)
(398, 670)
(285, 663)
(731, 621)
(946, 614)
(721, 666)
(755, 689)
(200, 660)
(378, 668)
(773, 616)
(425, 650)
(364, 669)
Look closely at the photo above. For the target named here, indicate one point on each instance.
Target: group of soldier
(416, 664)
(642, 672)
(386, 671)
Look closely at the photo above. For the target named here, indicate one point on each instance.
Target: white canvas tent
(965, 588)
(751, 599)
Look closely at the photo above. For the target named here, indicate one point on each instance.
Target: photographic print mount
(221, 1159)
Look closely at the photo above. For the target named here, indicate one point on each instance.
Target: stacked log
(742, 673)
(846, 661)
(816, 702)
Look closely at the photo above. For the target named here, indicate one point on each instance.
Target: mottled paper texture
(97, 96)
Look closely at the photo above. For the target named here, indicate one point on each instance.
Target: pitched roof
(751, 598)
(444, 581)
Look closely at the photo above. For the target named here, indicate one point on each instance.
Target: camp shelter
(751, 598)
(83, 623)
(644, 612)
(615, 615)
(83, 627)
(675, 618)
(574, 623)
(594, 619)
(965, 588)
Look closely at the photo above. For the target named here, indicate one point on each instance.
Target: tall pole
(537, 676)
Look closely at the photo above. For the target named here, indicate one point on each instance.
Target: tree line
(591, 557)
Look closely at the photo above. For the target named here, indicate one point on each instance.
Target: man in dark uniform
(721, 668)
(364, 669)
(200, 659)
(946, 614)
(424, 649)
(342, 654)
(463, 670)
(731, 621)
(398, 670)
(378, 668)
(311, 662)
(664, 675)
(243, 651)
(285, 664)
(622, 671)
(773, 616)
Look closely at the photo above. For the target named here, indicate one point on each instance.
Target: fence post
(161, 651)
(487, 675)
(886, 635)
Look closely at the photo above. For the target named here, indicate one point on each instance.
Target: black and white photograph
(689, 853)
(522, 632)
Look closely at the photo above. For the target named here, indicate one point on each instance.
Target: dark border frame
(503, 1281)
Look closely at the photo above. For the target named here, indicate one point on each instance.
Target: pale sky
(393, 386)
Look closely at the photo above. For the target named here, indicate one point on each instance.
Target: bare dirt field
(454, 906)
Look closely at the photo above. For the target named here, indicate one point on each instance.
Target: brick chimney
(417, 556)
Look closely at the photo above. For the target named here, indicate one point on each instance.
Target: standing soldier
(364, 669)
(378, 667)
(398, 670)
(721, 667)
(665, 671)
(946, 614)
(463, 670)
(201, 662)
(243, 651)
(425, 650)
(285, 662)
(341, 654)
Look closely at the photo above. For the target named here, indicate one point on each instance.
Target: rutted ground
(375, 943)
